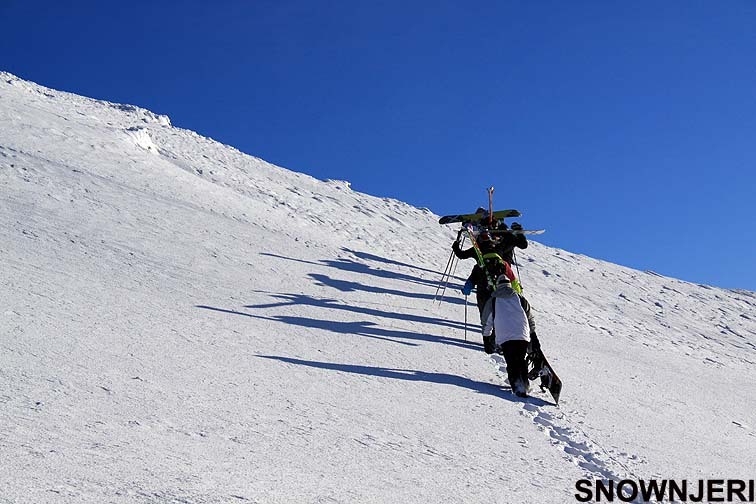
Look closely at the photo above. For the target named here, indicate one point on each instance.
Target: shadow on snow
(413, 375)
(357, 267)
(333, 304)
(372, 257)
(362, 328)
(347, 286)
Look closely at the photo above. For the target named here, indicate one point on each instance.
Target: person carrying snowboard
(507, 315)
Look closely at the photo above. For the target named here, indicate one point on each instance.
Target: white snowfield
(183, 323)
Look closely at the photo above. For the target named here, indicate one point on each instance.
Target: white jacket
(509, 314)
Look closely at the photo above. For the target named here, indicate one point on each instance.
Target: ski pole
(446, 270)
(455, 261)
(461, 244)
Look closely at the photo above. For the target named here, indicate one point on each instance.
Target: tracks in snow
(577, 446)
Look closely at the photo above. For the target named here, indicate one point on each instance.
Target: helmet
(516, 226)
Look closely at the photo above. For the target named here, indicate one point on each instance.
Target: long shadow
(414, 375)
(376, 258)
(364, 269)
(346, 286)
(332, 304)
(363, 328)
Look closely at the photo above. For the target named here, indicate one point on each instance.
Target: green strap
(481, 261)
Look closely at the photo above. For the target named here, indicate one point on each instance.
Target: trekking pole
(446, 270)
(455, 263)
(461, 244)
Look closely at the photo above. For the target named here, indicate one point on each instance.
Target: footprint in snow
(575, 444)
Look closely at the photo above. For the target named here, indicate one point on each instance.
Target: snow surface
(182, 322)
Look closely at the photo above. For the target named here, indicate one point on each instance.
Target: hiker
(507, 317)
(483, 278)
(507, 240)
(477, 276)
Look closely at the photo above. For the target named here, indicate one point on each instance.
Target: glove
(534, 343)
(468, 287)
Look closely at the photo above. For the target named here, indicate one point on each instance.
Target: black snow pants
(514, 352)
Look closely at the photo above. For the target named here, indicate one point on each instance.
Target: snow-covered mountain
(182, 322)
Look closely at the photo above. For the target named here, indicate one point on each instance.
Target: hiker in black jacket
(477, 277)
(504, 246)
(508, 240)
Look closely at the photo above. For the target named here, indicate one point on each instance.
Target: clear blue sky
(627, 129)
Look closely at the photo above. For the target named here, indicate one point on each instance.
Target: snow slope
(182, 322)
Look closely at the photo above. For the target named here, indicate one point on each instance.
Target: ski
(517, 231)
(477, 217)
(490, 206)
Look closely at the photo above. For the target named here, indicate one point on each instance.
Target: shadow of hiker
(414, 375)
(362, 328)
(376, 258)
(372, 330)
(347, 286)
(333, 304)
(356, 267)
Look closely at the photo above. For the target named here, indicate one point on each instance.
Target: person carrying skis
(504, 244)
(477, 276)
(482, 278)
(507, 315)
(507, 240)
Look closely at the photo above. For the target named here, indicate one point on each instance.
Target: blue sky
(626, 129)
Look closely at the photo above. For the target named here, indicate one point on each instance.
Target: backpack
(494, 265)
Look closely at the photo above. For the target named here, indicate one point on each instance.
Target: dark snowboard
(543, 370)
(477, 217)
(497, 232)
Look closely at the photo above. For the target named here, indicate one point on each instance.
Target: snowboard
(477, 217)
(517, 231)
(549, 379)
